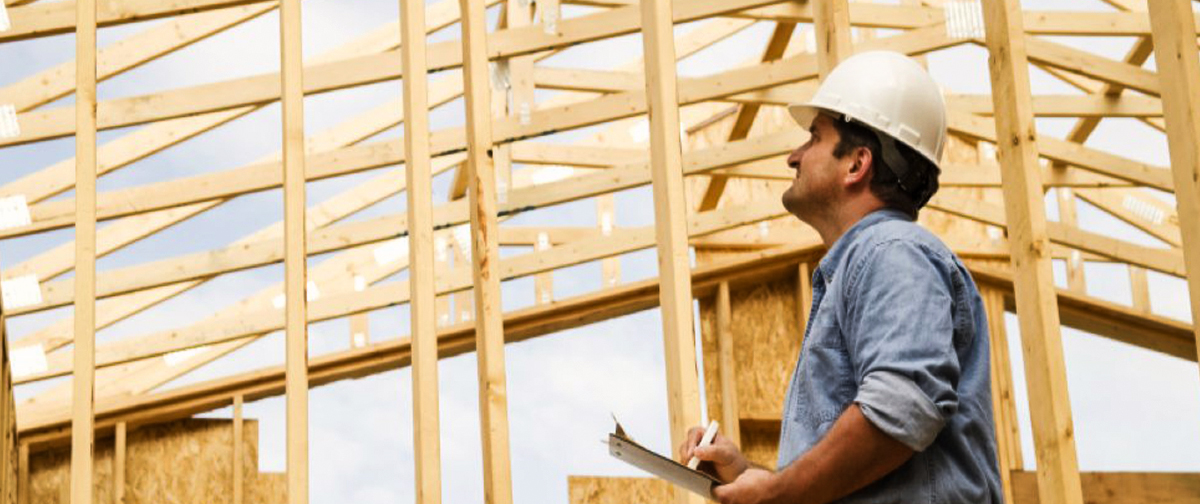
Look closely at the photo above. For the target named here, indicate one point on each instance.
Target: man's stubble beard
(804, 202)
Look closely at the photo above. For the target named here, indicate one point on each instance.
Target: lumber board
(485, 257)
(1176, 55)
(670, 223)
(423, 303)
(295, 237)
(84, 354)
(129, 53)
(55, 18)
(1050, 407)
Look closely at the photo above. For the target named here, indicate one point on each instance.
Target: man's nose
(793, 159)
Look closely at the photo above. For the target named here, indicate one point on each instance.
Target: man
(890, 400)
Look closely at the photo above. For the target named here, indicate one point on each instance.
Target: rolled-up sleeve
(900, 334)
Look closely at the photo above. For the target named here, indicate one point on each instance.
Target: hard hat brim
(804, 114)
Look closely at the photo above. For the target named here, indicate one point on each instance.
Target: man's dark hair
(884, 183)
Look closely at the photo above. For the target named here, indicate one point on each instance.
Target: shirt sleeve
(900, 335)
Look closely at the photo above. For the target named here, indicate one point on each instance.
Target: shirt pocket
(828, 375)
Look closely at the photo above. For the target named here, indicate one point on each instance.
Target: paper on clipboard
(625, 449)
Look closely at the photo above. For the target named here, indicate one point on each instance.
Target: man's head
(842, 165)
(879, 125)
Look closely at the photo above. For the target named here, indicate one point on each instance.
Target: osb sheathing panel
(617, 490)
(766, 341)
(760, 442)
(187, 461)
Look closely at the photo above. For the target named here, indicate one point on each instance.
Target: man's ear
(862, 164)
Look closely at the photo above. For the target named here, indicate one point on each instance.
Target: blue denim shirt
(897, 326)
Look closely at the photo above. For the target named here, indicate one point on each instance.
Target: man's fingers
(693, 438)
(711, 453)
(720, 494)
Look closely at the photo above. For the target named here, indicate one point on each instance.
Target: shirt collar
(828, 265)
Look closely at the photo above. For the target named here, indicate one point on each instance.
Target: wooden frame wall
(506, 149)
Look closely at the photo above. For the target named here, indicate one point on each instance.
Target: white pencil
(709, 434)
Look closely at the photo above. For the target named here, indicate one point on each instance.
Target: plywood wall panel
(188, 461)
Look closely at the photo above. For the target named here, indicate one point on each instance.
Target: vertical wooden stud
(610, 267)
(441, 266)
(119, 464)
(295, 257)
(423, 300)
(730, 418)
(83, 380)
(543, 283)
(485, 258)
(831, 22)
(360, 330)
(1008, 439)
(1175, 52)
(1139, 289)
(1037, 302)
(1067, 215)
(670, 221)
(239, 454)
(24, 492)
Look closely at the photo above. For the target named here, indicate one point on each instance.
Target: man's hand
(725, 457)
(754, 486)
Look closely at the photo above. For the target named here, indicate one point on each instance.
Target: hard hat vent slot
(909, 135)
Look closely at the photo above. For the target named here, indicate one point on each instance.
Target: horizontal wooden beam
(519, 325)
(389, 294)
(1069, 105)
(48, 428)
(55, 18)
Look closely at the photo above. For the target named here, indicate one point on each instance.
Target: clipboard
(628, 451)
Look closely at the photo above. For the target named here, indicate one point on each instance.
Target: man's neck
(838, 222)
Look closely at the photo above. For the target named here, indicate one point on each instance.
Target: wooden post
(1174, 32)
(485, 258)
(83, 380)
(730, 419)
(831, 22)
(423, 300)
(670, 222)
(610, 267)
(1139, 289)
(360, 330)
(119, 464)
(1037, 305)
(239, 447)
(543, 283)
(1066, 215)
(295, 257)
(23, 490)
(1008, 439)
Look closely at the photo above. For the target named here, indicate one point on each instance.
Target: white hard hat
(888, 92)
